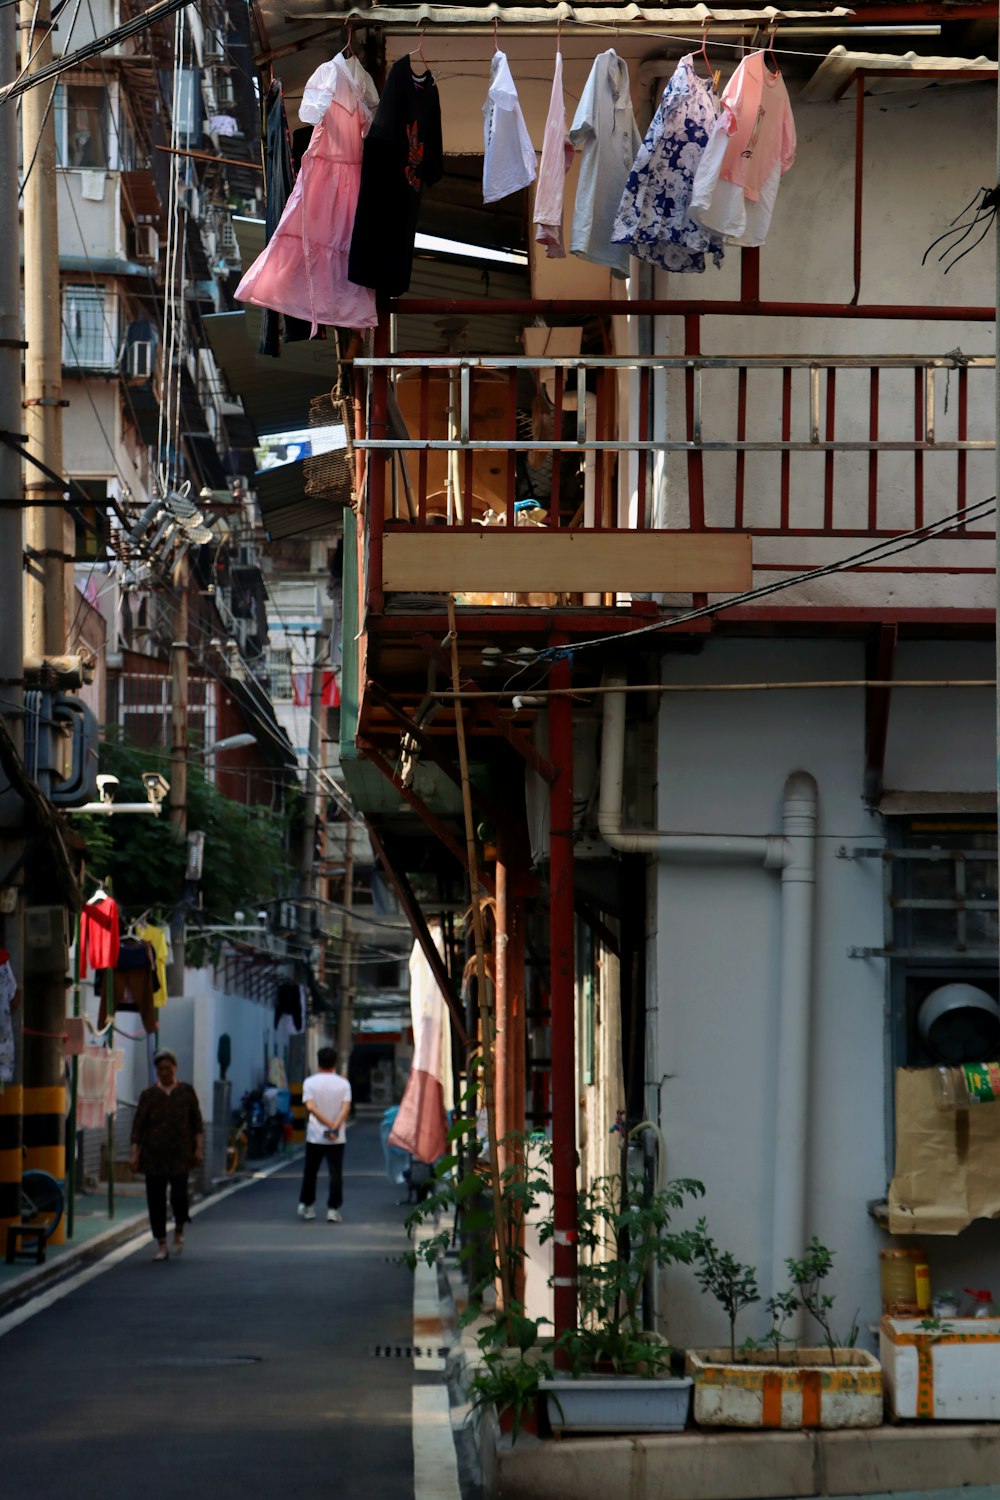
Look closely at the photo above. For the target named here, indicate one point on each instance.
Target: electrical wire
(890, 547)
(149, 17)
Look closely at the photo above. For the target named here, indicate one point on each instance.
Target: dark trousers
(156, 1198)
(335, 1161)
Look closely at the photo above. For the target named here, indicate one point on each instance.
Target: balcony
(534, 484)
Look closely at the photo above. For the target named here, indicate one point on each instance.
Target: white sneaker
(333, 1216)
(305, 1213)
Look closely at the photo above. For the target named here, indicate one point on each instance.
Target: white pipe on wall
(793, 852)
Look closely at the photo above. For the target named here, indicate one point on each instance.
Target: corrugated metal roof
(275, 392)
(579, 15)
(836, 72)
(286, 508)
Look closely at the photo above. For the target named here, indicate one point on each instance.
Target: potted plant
(514, 1355)
(772, 1382)
(619, 1378)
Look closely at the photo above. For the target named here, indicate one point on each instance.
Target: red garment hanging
(99, 936)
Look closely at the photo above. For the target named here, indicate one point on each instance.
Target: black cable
(142, 22)
(884, 549)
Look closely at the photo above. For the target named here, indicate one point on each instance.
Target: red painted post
(562, 1001)
(377, 469)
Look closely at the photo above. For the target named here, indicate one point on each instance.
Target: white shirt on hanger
(604, 127)
(557, 158)
(508, 157)
(318, 94)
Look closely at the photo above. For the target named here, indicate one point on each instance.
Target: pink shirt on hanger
(751, 146)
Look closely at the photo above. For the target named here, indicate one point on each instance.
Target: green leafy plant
(460, 1209)
(782, 1306)
(246, 858)
(808, 1276)
(508, 1383)
(624, 1234)
(732, 1284)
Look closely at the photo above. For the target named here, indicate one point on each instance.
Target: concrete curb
(38, 1279)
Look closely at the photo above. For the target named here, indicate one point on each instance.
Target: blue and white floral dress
(654, 217)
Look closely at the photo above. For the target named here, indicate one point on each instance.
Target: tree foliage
(246, 848)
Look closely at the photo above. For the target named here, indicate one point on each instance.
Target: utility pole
(313, 803)
(345, 1019)
(180, 653)
(50, 533)
(49, 585)
(11, 622)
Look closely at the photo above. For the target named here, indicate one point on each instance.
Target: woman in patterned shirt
(168, 1139)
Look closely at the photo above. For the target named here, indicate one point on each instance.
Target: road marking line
(46, 1299)
(435, 1468)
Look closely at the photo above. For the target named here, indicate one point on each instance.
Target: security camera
(107, 786)
(156, 787)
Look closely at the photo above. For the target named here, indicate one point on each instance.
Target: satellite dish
(960, 1023)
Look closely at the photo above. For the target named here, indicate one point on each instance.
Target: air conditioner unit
(139, 359)
(147, 244)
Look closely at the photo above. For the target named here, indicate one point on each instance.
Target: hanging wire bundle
(983, 208)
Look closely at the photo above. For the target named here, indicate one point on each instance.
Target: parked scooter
(265, 1131)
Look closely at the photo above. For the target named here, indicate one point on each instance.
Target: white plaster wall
(91, 428)
(924, 157)
(943, 739)
(723, 761)
(89, 227)
(193, 1023)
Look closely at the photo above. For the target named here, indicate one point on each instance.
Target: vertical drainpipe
(791, 1148)
(562, 1000)
(794, 854)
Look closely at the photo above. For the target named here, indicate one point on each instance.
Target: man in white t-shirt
(327, 1098)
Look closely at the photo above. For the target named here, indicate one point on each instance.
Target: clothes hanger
(770, 53)
(347, 50)
(99, 895)
(496, 45)
(418, 50)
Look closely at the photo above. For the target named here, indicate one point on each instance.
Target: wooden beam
(518, 741)
(434, 823)
(880, 659)
(421, 737)
(415, 917)
(570, 562)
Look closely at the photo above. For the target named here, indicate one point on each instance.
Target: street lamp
(231, 742)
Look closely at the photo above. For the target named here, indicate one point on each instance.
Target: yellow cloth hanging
(156, 937)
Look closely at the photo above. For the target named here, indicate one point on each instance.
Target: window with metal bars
(941, 927)
(90, 336)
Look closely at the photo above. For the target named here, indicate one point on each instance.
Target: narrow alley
(245, 1368)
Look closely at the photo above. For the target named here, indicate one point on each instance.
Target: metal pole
(50, 548)
(50, 535)
(345, 1018)
(179, 663)
(562, 1002)
(309, 852)
(74, 1089)
(11, 619)
(996, 450)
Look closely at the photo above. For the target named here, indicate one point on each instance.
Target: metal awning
(891, 73)
(275, 392)
(287, 510)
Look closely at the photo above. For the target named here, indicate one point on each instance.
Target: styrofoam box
(952, 1376)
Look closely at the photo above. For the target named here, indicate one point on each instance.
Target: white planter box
(801, 1389)
(617, 1403)
(951, 1377)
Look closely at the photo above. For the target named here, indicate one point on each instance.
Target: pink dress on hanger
(302, 271)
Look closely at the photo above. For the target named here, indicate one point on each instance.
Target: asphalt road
(241, 1371)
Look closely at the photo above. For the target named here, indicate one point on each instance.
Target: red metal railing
(780, 446)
